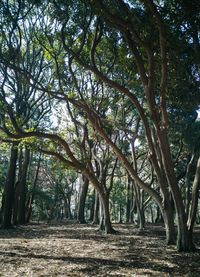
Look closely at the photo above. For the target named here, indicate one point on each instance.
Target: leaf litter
(71, 249)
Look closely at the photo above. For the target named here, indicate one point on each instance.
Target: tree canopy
(111, 90)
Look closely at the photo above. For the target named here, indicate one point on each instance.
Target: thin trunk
(141, 210)
(23, 188)
(131, 219)
(188, 183)
(103, 198)
(92, 207)
(9, 189)
(67, 202)
(15, 204)
(1, 211)
(68, 198)
(96, 209)
(159, 218)
(194, 203)
(32, 196)
(101, 216)
(128, 201)
(152, 215)
(120, 213)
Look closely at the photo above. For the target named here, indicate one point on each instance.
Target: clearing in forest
(70, 249)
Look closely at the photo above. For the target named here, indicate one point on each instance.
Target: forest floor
(70, 249)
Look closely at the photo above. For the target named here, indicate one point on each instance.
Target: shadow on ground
(71, 249)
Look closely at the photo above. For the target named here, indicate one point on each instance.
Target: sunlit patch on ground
(80, 250)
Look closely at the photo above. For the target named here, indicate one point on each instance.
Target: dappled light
(99, 138)
(69, 249)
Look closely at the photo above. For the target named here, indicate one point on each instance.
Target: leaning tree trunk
(9, 189)
(194, 202)
(183, 242)
(188, 183)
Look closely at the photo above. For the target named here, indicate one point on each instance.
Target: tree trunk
(92, 207)
(23, 188)
(159, 217)
(133, 205)
(140, 209)
(120, 213)
(68, 202)
(32, 196)
(96, 209)
(194, 202)
(106, 213)
(82, 199)
(103, 198)
(1, 211)
(101, 216)
(9, 189)
(183, 242)
(128, 201)
(168, 218)
(15, 204)
(188, 183)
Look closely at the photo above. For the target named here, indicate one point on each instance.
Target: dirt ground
(70, 249)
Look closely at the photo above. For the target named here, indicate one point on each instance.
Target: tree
(8, 197)
(139, 57)
(19, 103)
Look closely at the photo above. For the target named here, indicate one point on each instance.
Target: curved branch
(21, 134)
(58, 156)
